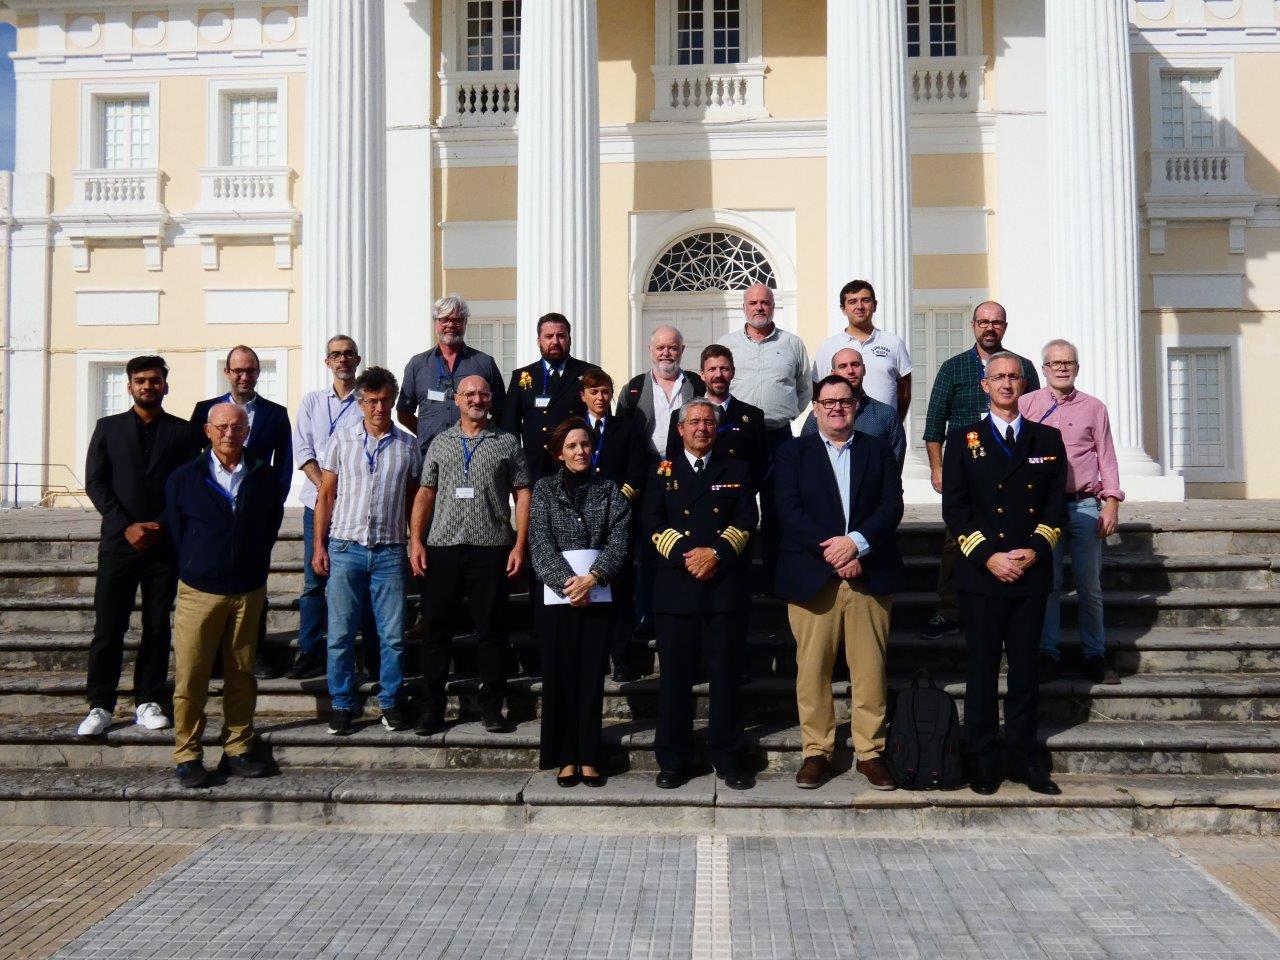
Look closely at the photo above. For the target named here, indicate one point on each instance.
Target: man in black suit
(741, 433)
(545, 393)
(130, 457)
(270, 440)
(1004, 497)
(270, 436)
(619, 452)
(699, 514)
(839, 500)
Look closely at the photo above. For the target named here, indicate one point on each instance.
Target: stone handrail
(116, 189)
(1214, 172)
(946, 84)
(733, 91)
(224, 188)
(489, 98)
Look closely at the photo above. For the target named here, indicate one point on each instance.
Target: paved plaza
(303, 894)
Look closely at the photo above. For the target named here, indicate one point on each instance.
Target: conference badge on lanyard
(466, 491)
(371, 459)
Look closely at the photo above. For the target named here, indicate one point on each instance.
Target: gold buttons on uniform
(686, 513)
(688, 534)
(1031, 509)
(999, 486)
(1031, 486)
(715, 509)
(1000, 535)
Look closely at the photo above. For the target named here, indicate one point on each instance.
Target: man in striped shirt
(370, 477)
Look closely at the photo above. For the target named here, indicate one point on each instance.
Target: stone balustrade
(480, 99)
(116, 189)
(228, 188)
(1198, 173)
(946, 84)
(733, 91)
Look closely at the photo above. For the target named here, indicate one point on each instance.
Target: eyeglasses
(1004, 378)
(243, 371)
(478, 395)
(834, 404)
(343, 355)
(378, 401)
(1060, 364)
(451, 321)
(988, 324)
(232, 428)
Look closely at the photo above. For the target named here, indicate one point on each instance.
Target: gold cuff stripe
(968, 542)
(628, 491)
(737, 538)
(1049, 533)
(665, 540)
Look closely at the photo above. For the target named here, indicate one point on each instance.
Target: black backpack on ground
(923, 748)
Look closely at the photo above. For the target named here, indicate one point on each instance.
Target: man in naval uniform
(741, 433)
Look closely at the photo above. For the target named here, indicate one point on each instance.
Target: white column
(344, 215)
(1094, 219)
(868, 158)
(558, 180)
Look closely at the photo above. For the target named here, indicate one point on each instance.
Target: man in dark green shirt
(956, 399)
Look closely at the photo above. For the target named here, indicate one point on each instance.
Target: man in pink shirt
(1093, 505)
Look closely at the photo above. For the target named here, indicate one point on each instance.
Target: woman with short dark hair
(578, 532)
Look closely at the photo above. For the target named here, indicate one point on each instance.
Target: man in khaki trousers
(223, 512)
(839, 498)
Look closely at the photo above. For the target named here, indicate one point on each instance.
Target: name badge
(465, 493)
(436, 395)
(541, 402)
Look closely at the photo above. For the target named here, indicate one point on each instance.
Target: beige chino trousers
(842, 613)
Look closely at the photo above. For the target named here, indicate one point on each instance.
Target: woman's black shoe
(570, 780)
(594, 781)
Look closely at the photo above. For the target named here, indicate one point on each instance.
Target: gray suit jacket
(636, 398)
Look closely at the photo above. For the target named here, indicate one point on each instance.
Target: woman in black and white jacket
(577, 520)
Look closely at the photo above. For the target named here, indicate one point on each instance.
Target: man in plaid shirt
(957, 399)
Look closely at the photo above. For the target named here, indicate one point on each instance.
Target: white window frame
(495, 311)
(453, 30)
(88, 363)
(751, 39)
(218, 138)
(92, 96)
(1232, 399)
(216, 382)
(1226, 132)
(960, 299)
(968, 30)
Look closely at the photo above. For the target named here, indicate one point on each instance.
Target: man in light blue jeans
(370, 477)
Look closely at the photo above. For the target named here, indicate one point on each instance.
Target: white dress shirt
(228, 480)
(841, 458)
(662, 409)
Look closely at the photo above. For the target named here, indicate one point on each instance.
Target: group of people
(633, 515)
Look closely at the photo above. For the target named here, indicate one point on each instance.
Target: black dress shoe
(308, 666)
(493, 721)
(571, 779)
(1099, 670)
(669, 779)
(242, 766)
(984, 786)
(737, 779)
(192, 774)
(263, 670)
(431, 721)
(596, 780)
(1037, 781)
(625, 675)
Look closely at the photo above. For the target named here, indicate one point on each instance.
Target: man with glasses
(320, 415)
(1093, 506)
(871, 415)
(1004, 497)
(957, 398)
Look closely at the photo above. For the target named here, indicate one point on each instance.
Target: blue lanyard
(345, 404)
(546, 375)
(383, 443)
(982, 367)
(217, 488)
(467, 453)
(595, 454)
(1048, 413)
(443, 374)
(727, 424)
(1008, 450)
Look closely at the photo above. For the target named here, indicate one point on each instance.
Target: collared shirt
(146, 435)
(662, 407)
(956, 398)
(1001, 424)
(773, 374)
(884, 355)
(693, 461)
(228, 480)
(1086, 433)
(374, 474)
(841, 457)
(319, 415)
(427, 388)
(492, 466)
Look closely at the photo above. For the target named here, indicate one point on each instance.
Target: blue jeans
(1080, 536)
(360, 576)
(312, 618)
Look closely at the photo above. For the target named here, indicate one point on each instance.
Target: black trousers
(622, 623)
(714, 639)
(993, 625)
(575, 646)
(119, 577)
(480, 575)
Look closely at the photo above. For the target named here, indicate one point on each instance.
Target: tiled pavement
(271, 895)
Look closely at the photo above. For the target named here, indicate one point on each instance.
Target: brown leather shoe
(813, 773)
(877, 774)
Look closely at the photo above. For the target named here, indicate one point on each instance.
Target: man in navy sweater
(223, 513)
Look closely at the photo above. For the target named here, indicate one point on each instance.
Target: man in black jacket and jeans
(130, 457)
(223, 513)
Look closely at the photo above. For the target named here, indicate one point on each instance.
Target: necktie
(555, 380)
(1008, 436)
(697, 466)
(595, 432)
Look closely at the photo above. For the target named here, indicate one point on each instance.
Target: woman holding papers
(577, 543)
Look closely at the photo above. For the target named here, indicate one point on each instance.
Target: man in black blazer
(545, 393)
(129, 459)
(1004, 498)
(270, 436)
(741, 433)
(699, 514)
(839, 499)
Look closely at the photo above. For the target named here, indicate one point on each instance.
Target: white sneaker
(95, 724)
(150, 716)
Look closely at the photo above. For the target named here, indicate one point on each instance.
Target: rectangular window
(1189, 110)
(111, 394)
(126, 133)
(937, 334)
(933, 28)
(695, 44)
(493, 35)
(497, 338)
(1198, 399)
(268, 382)
(253, 130)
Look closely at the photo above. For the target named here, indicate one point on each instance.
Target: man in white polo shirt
(888, 376)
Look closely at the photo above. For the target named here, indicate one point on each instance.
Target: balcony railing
(1198, 173)
(732, 91)
(946, 84)
(480, 99)
(112, 191)
(228, 189)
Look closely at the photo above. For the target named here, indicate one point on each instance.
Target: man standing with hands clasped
(1004, 498)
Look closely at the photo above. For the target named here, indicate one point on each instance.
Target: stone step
(506, 800)
(1129, 747)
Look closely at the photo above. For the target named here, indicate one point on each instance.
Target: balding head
(666, 347)
(474, 399)
(848, 363)
(989, 325)
(757, 306)
(227, 429)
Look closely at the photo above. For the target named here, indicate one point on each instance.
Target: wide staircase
(1189, 741)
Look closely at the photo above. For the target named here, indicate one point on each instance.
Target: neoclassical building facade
(190, 175)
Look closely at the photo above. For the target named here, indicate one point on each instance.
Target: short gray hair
(1003, 355)
(241, 412)
(1044, 351)
(699, 402)
(448, 306)
(667, 326)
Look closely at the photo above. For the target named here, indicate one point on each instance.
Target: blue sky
(8, 37)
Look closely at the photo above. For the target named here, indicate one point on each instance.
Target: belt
(1085, 496)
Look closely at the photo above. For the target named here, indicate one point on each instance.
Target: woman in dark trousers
(573, 512)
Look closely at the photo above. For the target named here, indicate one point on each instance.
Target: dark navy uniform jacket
(534, 422)
(740, 434)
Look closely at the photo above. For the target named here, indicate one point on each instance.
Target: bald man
(873, 417)
(652, 397)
